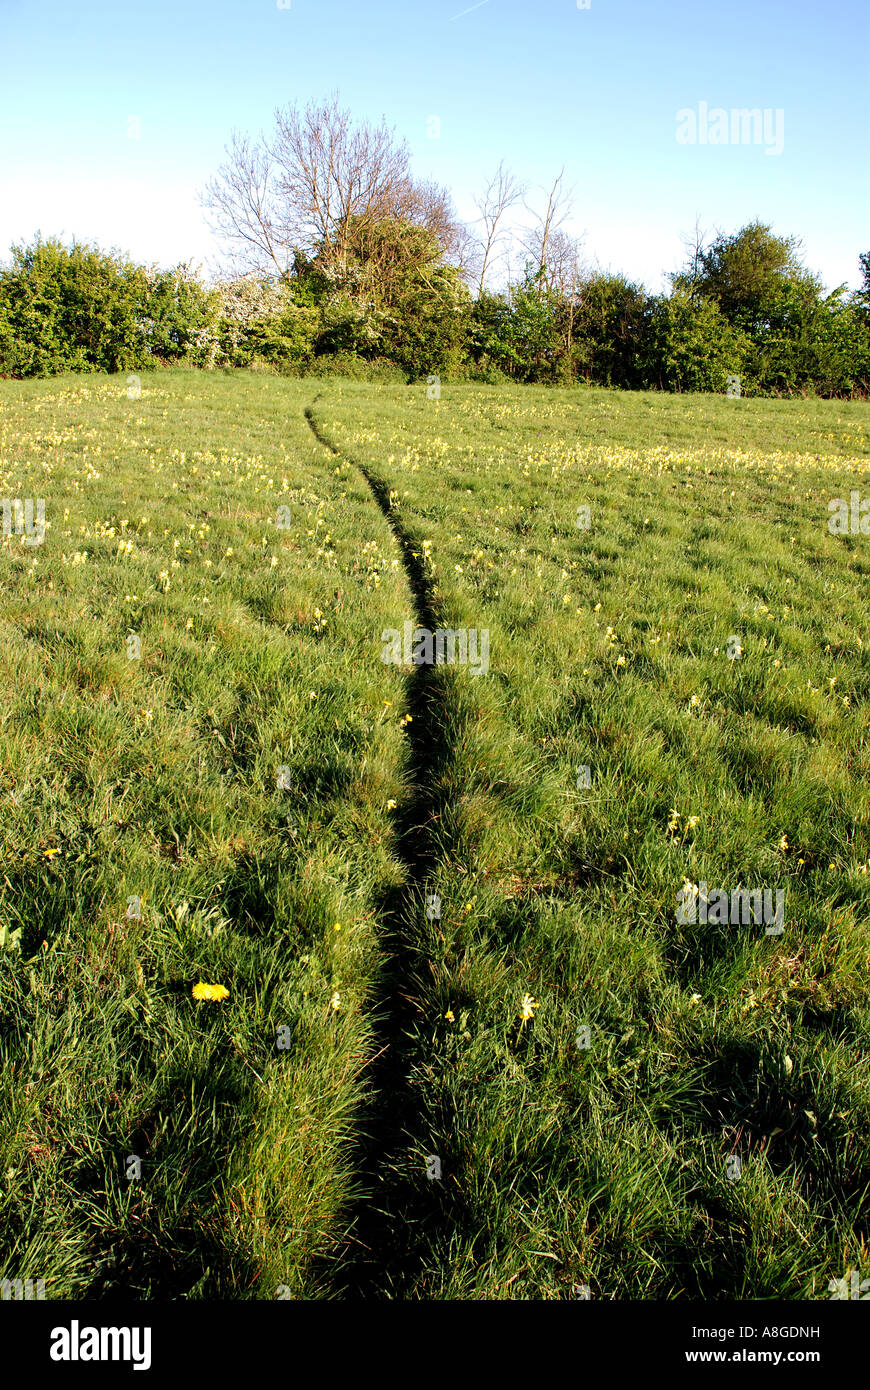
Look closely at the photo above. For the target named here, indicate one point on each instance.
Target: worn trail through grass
(550, 1082)
(401, 1197)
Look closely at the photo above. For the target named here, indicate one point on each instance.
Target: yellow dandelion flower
(216, 993)
(449, 1015)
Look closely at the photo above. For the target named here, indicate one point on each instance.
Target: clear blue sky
(539, 83)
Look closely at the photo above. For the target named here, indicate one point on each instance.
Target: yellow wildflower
(527, 1009)
(217, 993)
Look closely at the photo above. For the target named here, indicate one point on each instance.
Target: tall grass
(285, 807)
(611, 1166)
(157, 778)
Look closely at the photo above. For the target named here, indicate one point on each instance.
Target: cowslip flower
(527, 1009)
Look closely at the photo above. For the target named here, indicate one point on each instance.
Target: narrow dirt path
(402, 1209)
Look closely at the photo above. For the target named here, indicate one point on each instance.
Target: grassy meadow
(548, 1086)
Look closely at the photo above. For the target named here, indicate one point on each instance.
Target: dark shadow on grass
(166, 1249)
(248, 898)
(782, 1117)
(403, 1213)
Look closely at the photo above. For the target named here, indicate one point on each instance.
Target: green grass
(157, 777)
(561, 1165)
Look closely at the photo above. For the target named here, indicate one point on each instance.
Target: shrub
(691, 346)
(354, 368)
(609, 331)
(80, 309)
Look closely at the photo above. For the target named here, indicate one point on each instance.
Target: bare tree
(501, 193)
(539, 239)
(694, 244)
(241, 202)
(431, 206)
(563, 267)
(330, 173)
(318, 182)
(564, 271)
